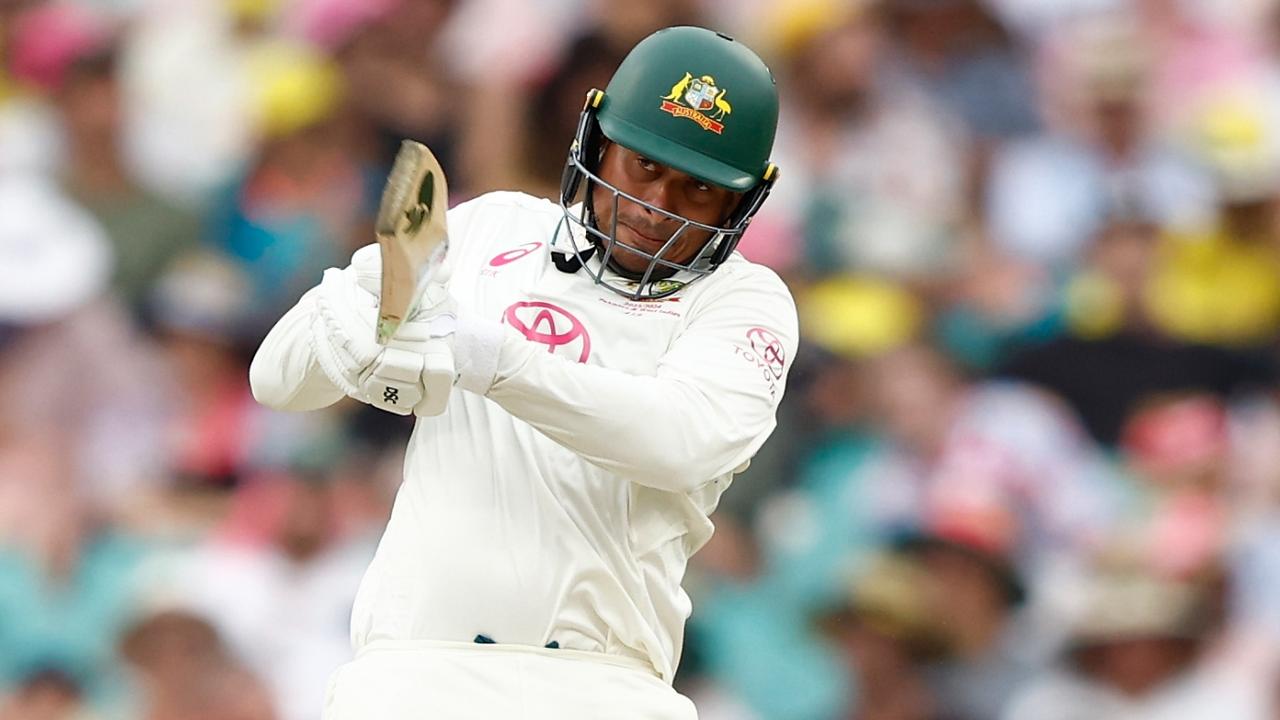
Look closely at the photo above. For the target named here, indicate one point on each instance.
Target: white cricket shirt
(563, 506)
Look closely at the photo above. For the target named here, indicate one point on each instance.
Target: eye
(646, 164)
(699, 192)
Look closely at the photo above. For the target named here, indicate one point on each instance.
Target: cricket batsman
(608, 363)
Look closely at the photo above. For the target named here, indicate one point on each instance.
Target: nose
(661, 194)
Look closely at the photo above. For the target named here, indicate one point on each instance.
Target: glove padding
(413, 373)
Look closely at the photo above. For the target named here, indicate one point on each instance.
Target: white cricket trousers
(466, 681)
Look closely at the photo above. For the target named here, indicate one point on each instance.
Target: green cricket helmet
(691, 99)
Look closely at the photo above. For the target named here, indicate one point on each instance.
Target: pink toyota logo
(550, 325)
(514, 254)
(768, 347)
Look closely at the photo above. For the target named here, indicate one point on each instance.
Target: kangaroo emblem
(678, 89)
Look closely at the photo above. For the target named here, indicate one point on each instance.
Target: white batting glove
(416, 370)
(342, 311)
(413, 373)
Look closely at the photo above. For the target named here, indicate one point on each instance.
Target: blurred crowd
(1028, 464)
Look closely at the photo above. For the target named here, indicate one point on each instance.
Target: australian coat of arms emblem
(699, 100)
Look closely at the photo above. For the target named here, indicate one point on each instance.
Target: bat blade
(410, 228)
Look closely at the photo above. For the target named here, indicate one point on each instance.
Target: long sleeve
(284, 374)
(708, 408)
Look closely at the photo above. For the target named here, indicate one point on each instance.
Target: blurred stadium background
(1028, 466)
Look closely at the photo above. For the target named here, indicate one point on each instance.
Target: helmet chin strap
(572, 262)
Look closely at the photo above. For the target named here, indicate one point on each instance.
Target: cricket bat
(411, 232)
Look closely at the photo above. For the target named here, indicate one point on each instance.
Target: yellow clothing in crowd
(1216, 289)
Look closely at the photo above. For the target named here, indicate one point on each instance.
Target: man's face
(645, 230)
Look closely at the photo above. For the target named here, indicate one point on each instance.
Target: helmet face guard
(597, 247)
